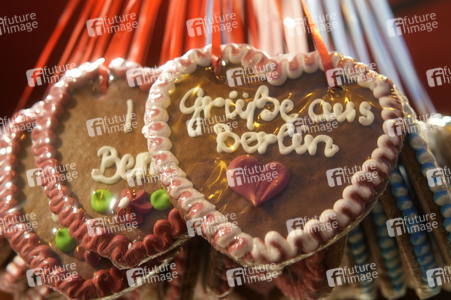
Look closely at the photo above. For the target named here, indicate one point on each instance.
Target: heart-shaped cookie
(336, 143)
(96, 170)
(30, 227)
(256, 182)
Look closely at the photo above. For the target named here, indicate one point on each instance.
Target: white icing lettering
(285, 107)
(259, 141)
(223, 130)
(268, 108)
(110, 158)
(129, 116)
(331, 113)
(367, 117)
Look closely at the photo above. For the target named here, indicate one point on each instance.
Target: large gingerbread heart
(338, 142)
(95, 168)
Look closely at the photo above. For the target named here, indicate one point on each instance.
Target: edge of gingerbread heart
(11, 281)
(237, 244)
(27, 244)
(427, 160)
(118, 248)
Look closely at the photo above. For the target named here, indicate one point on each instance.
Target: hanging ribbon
(77, 55)
(317, 39)
(76, 34)
(250, 21)
(216, 37)
(237, 34)
(119, 44)
(144, 33)
(195, 10)
(175, 31)
(103, 40)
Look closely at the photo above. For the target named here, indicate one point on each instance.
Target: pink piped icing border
(32, 251)
(118, 248)
(13, 281)
(232, 240)
(28, 245)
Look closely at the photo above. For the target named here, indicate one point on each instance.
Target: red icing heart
(256, 182)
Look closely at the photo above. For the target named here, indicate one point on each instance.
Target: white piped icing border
(231, 239)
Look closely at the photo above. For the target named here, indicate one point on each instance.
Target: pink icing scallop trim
(27, 244)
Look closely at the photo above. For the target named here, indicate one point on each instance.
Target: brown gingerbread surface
(34, 201)
(76, 146)
(308, 193)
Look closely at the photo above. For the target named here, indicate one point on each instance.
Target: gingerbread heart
(28, 220)
(337, 143)
(256, 182)
(110, 156)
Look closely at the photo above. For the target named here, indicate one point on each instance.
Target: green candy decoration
(64, 241)
(160, 200)
(100, 201)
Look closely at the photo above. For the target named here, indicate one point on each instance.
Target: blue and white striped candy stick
(418, 238)
(360, 254)
(390, 252)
